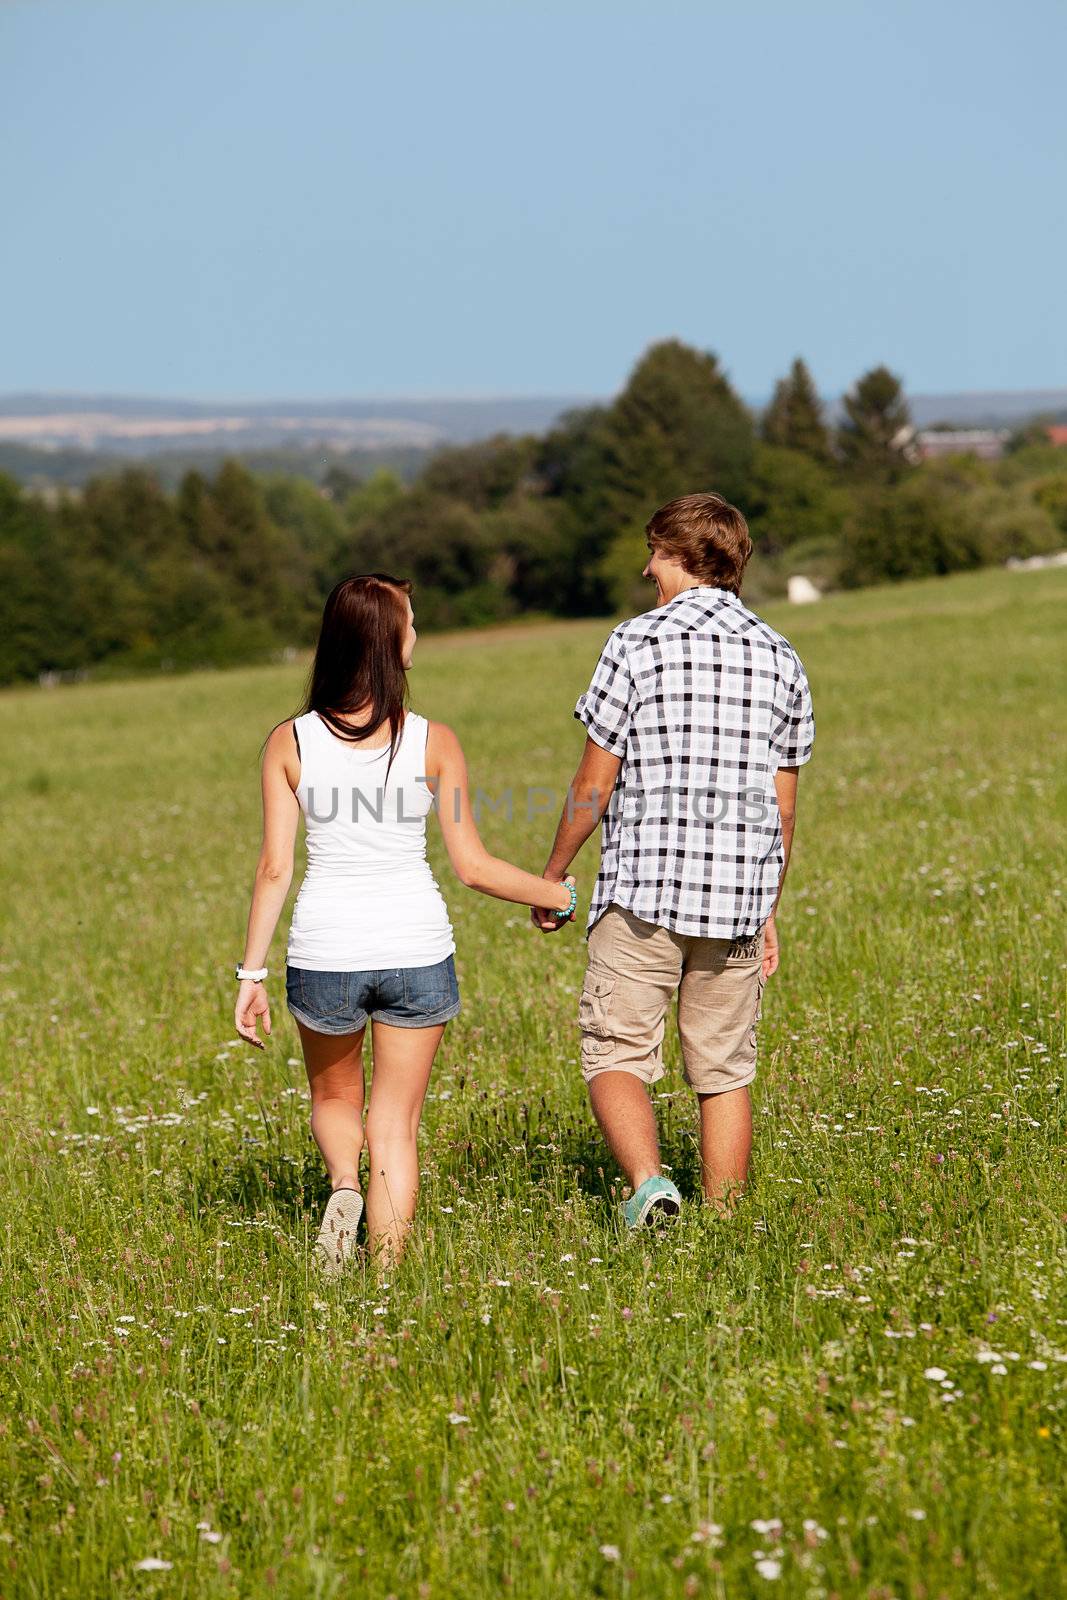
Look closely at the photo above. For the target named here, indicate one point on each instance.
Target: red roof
(1057, 434)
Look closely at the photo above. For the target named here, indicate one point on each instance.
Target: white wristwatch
(256, 974)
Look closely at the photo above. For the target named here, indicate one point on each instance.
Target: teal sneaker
(656, 1200)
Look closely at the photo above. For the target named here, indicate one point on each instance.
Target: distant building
(1057, 434)
(985, 443)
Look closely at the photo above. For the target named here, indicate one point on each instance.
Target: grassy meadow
(853, 1387)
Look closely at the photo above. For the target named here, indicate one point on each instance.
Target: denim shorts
(404, 997)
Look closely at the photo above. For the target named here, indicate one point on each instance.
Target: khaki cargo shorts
(634, 970)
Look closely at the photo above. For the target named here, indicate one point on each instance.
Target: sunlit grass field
(853, 1387)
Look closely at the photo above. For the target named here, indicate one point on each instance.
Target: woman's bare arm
(446, 774)
(274, 873)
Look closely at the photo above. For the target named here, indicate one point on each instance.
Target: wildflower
(767, 1567)
(918, 1515)
(1038, 1366)
(772, 1526)
(935, 1374)
(610, 1552)
(456, 1417)
(152, 1564)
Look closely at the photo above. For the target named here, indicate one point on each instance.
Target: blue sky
(254, 199)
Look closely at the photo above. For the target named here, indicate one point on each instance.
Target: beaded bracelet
(565, 916)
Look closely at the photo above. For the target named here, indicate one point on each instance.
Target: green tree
(313, 522)
(447, 551)
(373, 497)
(793, 499)
(1051, 495)
(338, 482)
(532, 541)
(34, 592)
(482, 475)
(794, 418)
(875, 437)
(917, 528)
(570, 468)
(677, 428)
(268, 574)
(126, 518)
(1012, 521)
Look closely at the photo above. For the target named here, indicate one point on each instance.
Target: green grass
(535, 1404)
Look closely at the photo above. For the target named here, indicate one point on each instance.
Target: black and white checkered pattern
(703, 702)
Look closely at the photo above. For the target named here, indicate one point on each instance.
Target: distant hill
(131, 426)
(65, 438)
(995, 409)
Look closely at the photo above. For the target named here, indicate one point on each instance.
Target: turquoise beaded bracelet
(565, 916)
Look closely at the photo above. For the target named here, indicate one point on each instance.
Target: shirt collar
(702, 588)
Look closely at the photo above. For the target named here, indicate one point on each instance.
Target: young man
(698, 718)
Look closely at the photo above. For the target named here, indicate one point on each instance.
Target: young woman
(370, 936)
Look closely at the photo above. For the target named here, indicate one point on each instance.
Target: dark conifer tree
(794, 417)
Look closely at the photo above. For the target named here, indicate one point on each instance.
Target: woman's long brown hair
(359, 658)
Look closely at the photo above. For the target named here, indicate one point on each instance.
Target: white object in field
(1034, 563)
(802, 591)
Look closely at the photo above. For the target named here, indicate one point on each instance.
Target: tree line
(128, 575)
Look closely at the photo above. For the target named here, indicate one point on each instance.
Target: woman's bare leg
(335, 1074)
(403, 1058)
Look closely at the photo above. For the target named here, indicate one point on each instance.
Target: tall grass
(854, 1387)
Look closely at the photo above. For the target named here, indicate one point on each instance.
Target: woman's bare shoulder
(282, 736)
(282, 749)
(442, 744)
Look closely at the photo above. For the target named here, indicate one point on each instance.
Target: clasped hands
(546, 920)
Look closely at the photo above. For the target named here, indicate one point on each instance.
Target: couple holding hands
(698, 717)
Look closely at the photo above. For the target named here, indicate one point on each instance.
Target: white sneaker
(336, 1242)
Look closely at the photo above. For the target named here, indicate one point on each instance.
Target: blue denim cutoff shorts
(404, 997)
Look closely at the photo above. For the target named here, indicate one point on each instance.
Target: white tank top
(369, 899)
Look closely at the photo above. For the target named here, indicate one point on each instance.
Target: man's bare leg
(624, 1111)
(725, 1145)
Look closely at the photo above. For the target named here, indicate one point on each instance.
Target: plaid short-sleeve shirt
(703, 702)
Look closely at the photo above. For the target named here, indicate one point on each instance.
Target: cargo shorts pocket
(594, 1015)
(760, 984)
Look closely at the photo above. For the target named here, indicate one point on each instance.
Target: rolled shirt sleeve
(606, 707)
(793, 730)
